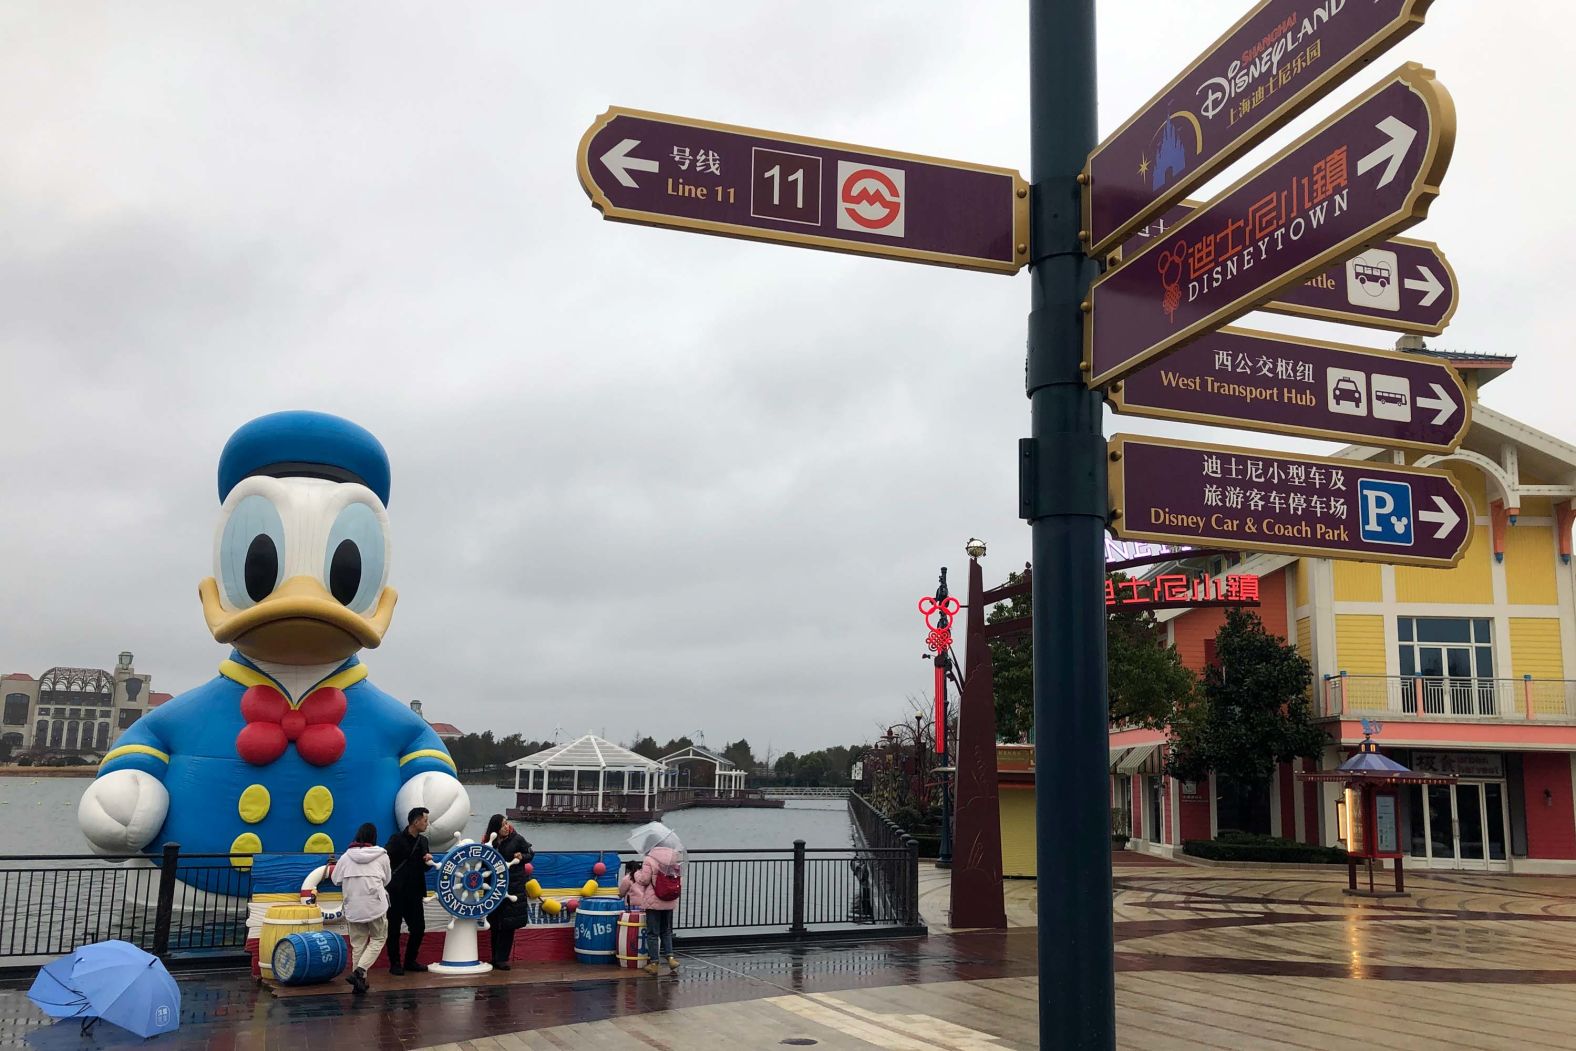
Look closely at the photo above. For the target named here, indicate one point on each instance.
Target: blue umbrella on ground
(115, 981)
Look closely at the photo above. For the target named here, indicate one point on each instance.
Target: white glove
(122, 811)
(448, 806)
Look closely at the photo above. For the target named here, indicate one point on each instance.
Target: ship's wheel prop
(472, 881)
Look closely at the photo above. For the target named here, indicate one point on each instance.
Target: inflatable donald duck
(290, 747)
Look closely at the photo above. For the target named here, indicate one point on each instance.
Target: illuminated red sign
(1181, 589)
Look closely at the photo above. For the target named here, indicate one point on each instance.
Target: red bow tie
(271, 725)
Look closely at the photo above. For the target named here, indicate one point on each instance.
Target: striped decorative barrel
(281, 921)
(631, 928)
(596, 930)
(309, 958)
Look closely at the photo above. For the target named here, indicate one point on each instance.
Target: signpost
(1369, 171)
(1279, 59)
(1400, 285)
(712, 178)
(1313, 506)
(1261, 381)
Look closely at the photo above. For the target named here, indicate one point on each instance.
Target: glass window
(1485, 662)
(1403, 628)
(1480, 630)
(16, 709)
(1443, 629)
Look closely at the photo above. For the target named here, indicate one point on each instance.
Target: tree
(1253, 709)
(1145, 678)
(738, 753)
(646, 746)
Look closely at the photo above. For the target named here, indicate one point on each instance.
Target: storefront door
(1460, 826)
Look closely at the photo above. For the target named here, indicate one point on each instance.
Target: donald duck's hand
(448, 805)
(122, 811)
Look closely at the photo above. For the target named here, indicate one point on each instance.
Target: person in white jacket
(363, 874)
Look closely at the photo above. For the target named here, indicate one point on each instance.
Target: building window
(1450, 664)
(128, 716)
(16, 709)
(102, 742)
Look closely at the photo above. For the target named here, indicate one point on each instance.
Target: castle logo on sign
(870, 199)
(1386, 511)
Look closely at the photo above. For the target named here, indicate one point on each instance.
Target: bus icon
(1371, 280)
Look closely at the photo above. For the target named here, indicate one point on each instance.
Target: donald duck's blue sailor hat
(300, 444)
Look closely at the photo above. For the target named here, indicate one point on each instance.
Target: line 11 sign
(1180, 492)
(697, 175)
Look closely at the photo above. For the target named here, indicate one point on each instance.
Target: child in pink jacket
(636, 887)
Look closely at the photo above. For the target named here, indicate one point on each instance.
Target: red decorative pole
(942, 608)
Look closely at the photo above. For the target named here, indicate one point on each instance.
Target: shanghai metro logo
(870, 198)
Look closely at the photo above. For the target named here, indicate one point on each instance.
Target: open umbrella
(112, 980)
(660, 843)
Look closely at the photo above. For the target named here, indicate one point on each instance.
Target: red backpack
(666, 887)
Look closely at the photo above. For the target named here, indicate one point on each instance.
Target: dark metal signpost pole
(1063, 494)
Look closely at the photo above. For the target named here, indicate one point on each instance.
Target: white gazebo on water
(584, 779)
(728, 779)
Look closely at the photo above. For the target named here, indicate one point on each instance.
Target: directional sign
(1245, 500)
(739, 182)
(1261, 381)
(1279, 59)
(1369, 171)
(1400, 285)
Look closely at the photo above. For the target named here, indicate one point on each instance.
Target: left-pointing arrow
(620, 163)
(1392, 152)
(1446, 517)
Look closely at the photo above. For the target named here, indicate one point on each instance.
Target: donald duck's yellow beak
(298, 623)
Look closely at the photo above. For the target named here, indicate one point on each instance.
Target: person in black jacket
(409, 853)
(509, 916)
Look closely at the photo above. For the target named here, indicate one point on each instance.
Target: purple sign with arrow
(1369, 171)
(1282, 56)
(739, 182)
(1262, 381)
(1399, 285)
(1244, 500)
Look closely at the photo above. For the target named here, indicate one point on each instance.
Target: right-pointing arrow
(1442, 401)
(1430, 286)
(1446, 517)
(620, 163)
(1401, 135)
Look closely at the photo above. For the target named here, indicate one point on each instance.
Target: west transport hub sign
(1401, 285)
(697, 175)
(1369, 171)
(1280, 58)
(1315, 506)
(1262, 381)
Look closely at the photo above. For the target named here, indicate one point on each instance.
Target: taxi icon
(1346, 391)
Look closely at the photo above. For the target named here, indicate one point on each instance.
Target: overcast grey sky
(643, 480)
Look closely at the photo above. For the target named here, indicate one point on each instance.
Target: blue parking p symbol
(1385, 510)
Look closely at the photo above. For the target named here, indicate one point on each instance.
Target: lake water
(38, 815)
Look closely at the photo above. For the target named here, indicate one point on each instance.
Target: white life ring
(309, 895)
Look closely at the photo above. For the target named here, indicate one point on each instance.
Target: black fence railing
(50, 904)
(798, 892)
(898, 885)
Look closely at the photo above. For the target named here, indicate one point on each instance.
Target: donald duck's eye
(353, 564)
(251, 551)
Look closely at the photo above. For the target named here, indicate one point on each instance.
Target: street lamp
(975, 548)
(943, 609)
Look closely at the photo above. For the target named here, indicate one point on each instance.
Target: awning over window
(1117, 755)
(1141, 759)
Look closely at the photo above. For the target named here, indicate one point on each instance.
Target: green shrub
(1245, 846)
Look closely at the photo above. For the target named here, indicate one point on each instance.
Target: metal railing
(799, 892)
(1428, 697)
(50, 904)
(878, 833)
(805, 792)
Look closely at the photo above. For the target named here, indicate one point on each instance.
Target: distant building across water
(71, 711)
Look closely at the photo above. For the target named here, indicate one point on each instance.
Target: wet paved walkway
(1206, 958)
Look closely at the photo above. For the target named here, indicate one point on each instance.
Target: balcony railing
(1445, 698)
